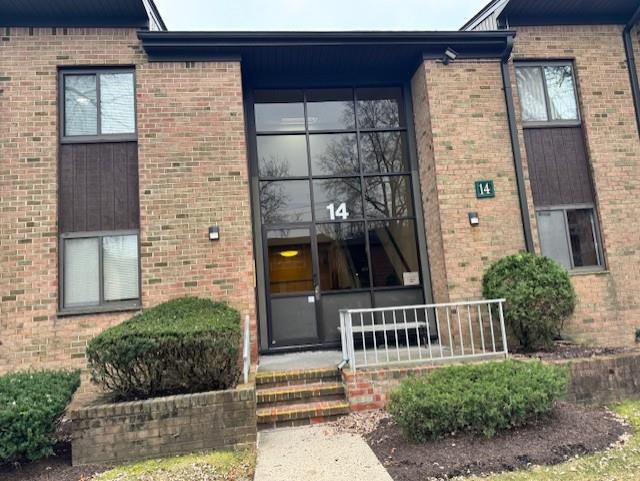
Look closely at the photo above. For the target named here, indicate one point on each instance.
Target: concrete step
(301, 413)
(279, 395)
(297, 377)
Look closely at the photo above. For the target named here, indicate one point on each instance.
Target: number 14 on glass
(341, 212)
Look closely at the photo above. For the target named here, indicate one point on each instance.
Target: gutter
(515, 145)
(631, 63)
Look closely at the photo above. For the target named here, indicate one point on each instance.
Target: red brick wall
(608, 309)
(464, 137)
(193, 174)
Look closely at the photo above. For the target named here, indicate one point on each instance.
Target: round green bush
(539, 297)
(31, 404)
(477, 398)
(182, 346)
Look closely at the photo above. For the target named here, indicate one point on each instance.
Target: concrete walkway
(316, 453)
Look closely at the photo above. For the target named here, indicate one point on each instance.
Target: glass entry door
(335, 186)
(293, 286)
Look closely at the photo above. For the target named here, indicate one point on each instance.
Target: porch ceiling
(322, 57)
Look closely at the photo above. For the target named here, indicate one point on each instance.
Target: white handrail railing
(423, 333)
(246, 350)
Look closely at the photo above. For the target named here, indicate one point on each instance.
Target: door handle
(316, 291)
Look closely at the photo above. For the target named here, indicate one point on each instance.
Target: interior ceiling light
(289, 253)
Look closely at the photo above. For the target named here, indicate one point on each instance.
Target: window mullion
(547, 98)
(98, 106)
(568, 238)
(101, 270)
(594, 233)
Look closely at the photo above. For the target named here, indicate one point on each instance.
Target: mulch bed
(55, 468)
(571, 430)
(563, 350)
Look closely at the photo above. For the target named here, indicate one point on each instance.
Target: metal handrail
(425, 333)
(246, 351)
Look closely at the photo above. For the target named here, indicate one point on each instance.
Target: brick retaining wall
(598, 380)
(164, 426)
(604, 380)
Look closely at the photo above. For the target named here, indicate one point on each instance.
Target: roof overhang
(516, 13)
(321, 56)
(85, 13)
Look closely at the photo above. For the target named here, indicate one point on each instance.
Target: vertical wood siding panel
(99, 187)
(120, 204)
(133, 200)
(558, 166)
(107, 188)
(65, 208)
(94, 215)
(80, 188)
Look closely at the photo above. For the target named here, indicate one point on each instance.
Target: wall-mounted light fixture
(474, 219)
(449, 56)
(214, 233)
(289, 254)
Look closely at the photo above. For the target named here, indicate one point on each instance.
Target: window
(570, 237)
(98, 105)
(100, 270)
(547, 93)
(98, 205)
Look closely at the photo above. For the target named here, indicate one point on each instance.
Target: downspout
(515, 145)
(631, 63)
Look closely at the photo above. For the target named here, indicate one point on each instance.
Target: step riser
(299, 422)
(299, 392)
(298, 398)
(306, 412)
(294, 378)
(311, 399)
(294, 382)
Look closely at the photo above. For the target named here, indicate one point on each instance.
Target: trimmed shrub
(539, 297)
(31, 404)
(182, 346)
(477, 398)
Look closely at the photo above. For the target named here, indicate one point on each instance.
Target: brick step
(279, 395)
(301, 413)
(297, 377)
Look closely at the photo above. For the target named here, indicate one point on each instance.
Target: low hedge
(31, 404)
(182, 346)
(477, 398)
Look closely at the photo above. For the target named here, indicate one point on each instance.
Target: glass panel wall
(338, 160)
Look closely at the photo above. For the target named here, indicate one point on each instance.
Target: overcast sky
(317, 14)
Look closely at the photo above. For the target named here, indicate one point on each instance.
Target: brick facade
(464, 137)
(608, 310)
(193, 174)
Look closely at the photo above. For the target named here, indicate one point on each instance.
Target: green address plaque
(485, 189)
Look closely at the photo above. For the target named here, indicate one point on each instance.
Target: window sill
(555, 124)
(83, 311)
(589, 272)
